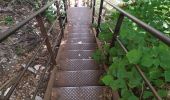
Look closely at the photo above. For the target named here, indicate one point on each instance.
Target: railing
(116, 31)
(52, 49)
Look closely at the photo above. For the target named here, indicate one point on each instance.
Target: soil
(16, 51)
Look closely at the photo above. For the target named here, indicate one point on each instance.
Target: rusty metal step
(78, 78)
(80, 46)
(78, 35)
(82, 40)
(90, 38)
(79, 30)
(75, 28)
(78, 64)
(77, 54)
(79, 26)
(81, 93)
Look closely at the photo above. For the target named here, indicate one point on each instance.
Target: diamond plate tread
(82, 93)
(79, 26)
(78, 78)
(75, 35)
(76, 54)
(77, 46)
(80, 30)
(78, 64)
(81, 40)
(90, 38)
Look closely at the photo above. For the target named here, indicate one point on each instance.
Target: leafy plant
(9, 20)
(18, 50)
(50, 14)
(152, 55)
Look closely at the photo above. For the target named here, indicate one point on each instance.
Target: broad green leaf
(98, 56)
(134, 56)
(125, 93)
(155, 73)
(158, 82)
(107, 80)
(147, 60)
(115, 84)
(113, 52)
(164, 55)
(167, 76)
(134, 83)
(105, 36)
(162, 93)
(106, 48)
(121, 71)
(147, 94)
(156, 62)
(104, 27)
(133, 97)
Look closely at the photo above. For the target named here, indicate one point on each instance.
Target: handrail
(12, 30)
(145, 26)
(48, 63)
(50, 49)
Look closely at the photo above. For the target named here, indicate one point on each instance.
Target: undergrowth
(144, 50)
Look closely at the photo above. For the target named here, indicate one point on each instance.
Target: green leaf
(156, 62)
(158, 82)
(98, 56)
(9, 20)
(125, 93)
(107, 80)
(164, 55)
(133, 97)
(106, 48)
(134, 56)
(121, 71)
(147, 94)
(115, 84)
(112, 51)
(104, 27)
(133, 82)
(167, 76)
(105, 36)
(155, 73)
(133, 78)
(147, 60)
(113, 69)
(162, 93)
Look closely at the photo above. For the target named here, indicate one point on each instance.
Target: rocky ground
(16, 51)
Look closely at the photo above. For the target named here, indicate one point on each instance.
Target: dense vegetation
(152, 55)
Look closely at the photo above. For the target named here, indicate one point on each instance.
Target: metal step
(79, 30)
(78, 26)
(81, 93)
(82, 40)
(76, 54)
(78, 64)
(92, 37)
(78, 78)
(78, 35)
(80, 46)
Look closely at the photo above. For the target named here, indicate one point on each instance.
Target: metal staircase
(78, 75)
